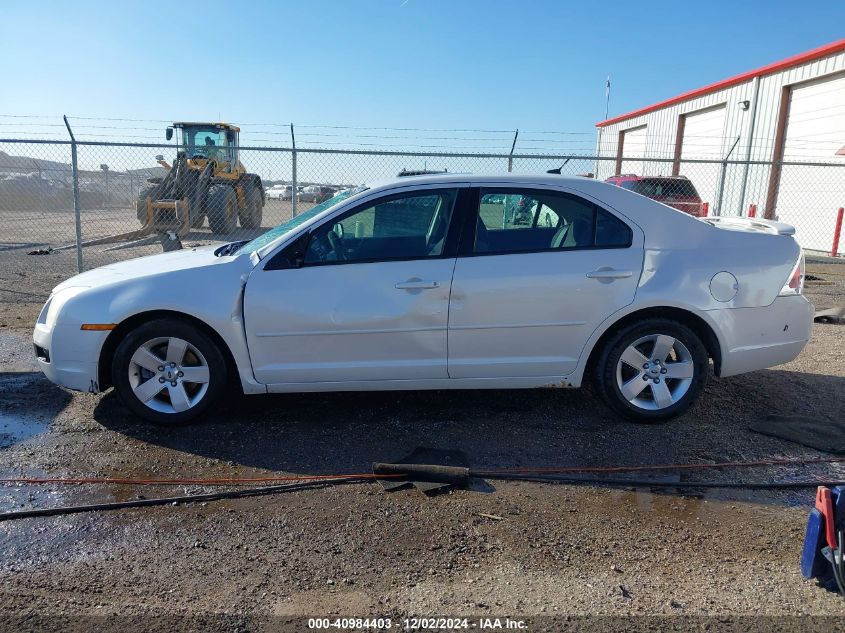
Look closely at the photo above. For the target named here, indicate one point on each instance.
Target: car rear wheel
(168, 372)
(652, 370)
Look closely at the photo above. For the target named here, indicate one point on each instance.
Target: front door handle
(416, 284)
(609, 273)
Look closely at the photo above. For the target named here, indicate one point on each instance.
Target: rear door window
(514, 220)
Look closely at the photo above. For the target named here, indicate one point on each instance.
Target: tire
(638, 387)
(149, 392)
(251, 215)
(222, 209)
(141, 203)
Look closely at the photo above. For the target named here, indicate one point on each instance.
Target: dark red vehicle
(677, 192)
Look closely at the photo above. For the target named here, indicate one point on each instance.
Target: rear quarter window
(611, 231)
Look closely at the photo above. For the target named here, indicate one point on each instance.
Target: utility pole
(607, 98)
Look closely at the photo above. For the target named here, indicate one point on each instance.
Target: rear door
(526, 295)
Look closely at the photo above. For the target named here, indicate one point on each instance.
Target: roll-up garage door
(633, 148)
(808, 197)
(702, 139)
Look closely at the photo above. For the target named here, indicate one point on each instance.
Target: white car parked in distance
(280, 192)
(434, 283)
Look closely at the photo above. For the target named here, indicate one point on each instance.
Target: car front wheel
(168, 372)
(652, 370)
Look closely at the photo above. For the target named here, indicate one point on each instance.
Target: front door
(541, 272)
(368, 301)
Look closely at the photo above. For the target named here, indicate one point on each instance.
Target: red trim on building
(789, 62)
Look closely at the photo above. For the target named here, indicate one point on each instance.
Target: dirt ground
(517, 549)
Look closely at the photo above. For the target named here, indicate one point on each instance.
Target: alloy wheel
(168, 375)
(654, 372)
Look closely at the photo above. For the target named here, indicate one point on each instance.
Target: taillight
(795, 284)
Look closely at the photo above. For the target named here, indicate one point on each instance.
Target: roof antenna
(558, 170)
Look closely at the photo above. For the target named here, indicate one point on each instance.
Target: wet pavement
(356, 550)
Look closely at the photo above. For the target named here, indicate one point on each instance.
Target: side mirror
(159, 157)
(169, 133)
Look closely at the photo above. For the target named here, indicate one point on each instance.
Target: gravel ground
(522, 549)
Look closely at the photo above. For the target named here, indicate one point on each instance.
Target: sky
(386, 63)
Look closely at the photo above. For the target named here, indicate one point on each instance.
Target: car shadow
(346, 432)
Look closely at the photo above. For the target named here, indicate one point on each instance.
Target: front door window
(408, 226)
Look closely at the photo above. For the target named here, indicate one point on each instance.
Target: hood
(149, 266)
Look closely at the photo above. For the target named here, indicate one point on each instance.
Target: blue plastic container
(813, 562)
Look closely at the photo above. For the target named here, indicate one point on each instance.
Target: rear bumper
(756, 338)
(73, 356)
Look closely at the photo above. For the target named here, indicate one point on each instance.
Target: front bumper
(756, 338)
(73, 355)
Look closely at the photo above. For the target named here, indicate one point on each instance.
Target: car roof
(541, 180)
(636, 177)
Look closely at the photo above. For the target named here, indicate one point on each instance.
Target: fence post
(510, 156)
(718, 210)
(834, 251)
(293, 172)
(76, 205)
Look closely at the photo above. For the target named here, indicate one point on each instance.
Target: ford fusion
(441, 282)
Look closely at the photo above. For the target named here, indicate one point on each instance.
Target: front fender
(212, 294)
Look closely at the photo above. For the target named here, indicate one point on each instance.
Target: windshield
(285, 227)
(205, 141)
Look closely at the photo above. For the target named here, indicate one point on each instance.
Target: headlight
(51, 309)
(42, 317)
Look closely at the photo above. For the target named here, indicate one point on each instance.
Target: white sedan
(279, 192)
(433, 283)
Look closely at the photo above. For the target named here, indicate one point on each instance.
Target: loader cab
(208, 141)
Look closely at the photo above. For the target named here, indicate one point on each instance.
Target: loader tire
(141, 204)
(252, 214)
(222, 209)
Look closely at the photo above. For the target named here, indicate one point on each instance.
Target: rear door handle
(416, 284)
(610, 273)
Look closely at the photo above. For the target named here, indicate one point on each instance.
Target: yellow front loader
(207, 180)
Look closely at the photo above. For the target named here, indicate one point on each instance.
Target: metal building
(791, 111)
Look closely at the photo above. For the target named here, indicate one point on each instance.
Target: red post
(705, 209)
(752, 211)
(835, 250)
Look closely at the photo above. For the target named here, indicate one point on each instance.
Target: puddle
(28, 403)
(16, 428)
(25, 496)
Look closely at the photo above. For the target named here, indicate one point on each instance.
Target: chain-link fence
(124, 197)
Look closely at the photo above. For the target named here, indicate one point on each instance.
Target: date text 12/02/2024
(414, 624)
